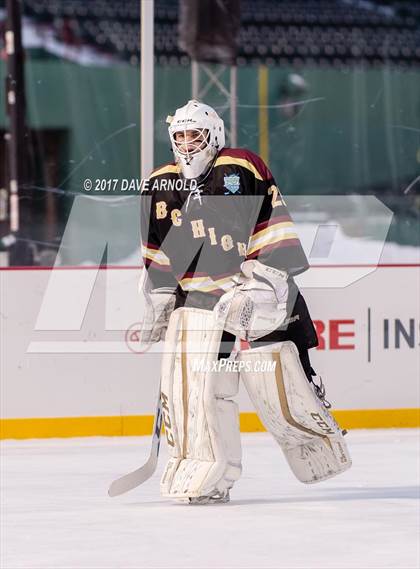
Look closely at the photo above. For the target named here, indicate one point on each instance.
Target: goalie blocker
(202, 422)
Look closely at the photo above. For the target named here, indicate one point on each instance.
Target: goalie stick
(133, 479)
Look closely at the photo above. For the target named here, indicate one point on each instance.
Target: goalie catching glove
(257, 305)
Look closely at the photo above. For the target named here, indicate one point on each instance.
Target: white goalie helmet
(197, 134)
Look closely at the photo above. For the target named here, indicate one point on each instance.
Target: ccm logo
(322, 424)
(167, 419)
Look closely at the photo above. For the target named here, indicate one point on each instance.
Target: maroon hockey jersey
(197, 239)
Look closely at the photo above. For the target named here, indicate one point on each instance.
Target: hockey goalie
(220, 252)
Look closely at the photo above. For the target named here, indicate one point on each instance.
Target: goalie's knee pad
(289, 409)
(202, 425)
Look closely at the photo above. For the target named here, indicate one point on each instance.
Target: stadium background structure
(327, 93)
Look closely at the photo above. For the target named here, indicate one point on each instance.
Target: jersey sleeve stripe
(155, 255)
(150, 246)
(228, 160)
(270, 233)
(272, 221)
(168, 169)
(271, 237)
(289, 242)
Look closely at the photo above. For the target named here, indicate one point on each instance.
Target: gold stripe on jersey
(228, 160)
(271, 228)
(168, 169)
(272, 234)
(206, 284)
(155, 255)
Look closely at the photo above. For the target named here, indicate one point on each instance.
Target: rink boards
(70, 364)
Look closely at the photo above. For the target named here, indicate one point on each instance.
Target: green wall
(353, 137)
(356, 136)
(361, 132)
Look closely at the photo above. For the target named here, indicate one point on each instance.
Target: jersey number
(276, 198)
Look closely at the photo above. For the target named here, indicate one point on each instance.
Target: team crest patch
(231, 183)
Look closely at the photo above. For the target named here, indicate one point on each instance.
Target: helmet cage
(201, 141)
(209, 137)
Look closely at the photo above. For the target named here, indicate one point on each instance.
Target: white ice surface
(56, 512)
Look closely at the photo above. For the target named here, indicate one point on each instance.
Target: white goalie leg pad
(289, 409)
(202, 425)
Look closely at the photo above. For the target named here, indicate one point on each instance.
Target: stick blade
(133, 479)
